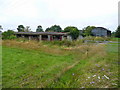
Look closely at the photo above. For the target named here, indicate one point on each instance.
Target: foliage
(1, 28)
(93, 38)
(21, 28)
(39, 29)
(48, 30)
(54, 28)
(73, 31)
(117, 33)
(113, 34)
(87, 31)
(27, 29)
(89, 38)
(60, 43)
(8, 35)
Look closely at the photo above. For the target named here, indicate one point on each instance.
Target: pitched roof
(102, 28)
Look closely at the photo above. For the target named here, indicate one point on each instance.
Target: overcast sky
(79, 13)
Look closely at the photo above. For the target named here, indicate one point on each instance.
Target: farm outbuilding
(102, 32)
(44, 35)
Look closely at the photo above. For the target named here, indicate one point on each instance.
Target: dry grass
(94, 54)
(81, 51)
(34, 45)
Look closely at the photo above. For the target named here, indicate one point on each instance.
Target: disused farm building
(44, 35)
(101, 32)
(50, 36)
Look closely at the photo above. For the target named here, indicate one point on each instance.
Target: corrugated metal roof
(102, 28)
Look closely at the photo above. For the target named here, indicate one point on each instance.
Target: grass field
(95, 72)
(35, 65)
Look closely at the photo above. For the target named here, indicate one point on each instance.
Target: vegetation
(87, 31)
(52, 66)
(27, 29)
(60, 43)
(39, 29)
(21, 28)
(113, 34)
(98, 71)
(73, 31)
(117, 33)
(54, 28)
(8, 35)
(1, 28)
(59, 64)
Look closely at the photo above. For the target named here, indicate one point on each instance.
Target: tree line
(72, 30)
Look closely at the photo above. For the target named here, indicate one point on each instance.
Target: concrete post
(69, 38)
(48, 37)
(40, 37)
(62, 38)
(30, 38)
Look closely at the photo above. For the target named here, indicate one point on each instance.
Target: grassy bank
(36, 65)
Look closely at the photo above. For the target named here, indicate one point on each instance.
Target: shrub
(20, 39)
(89, 38)
(60, 43)
(8, 35)
(73, 31)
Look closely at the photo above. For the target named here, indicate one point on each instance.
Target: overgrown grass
(98, 71)
(93, 38)
(30, 64)
(0, 65)
(30, 68)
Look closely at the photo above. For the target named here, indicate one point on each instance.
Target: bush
(8, 35)
(89, 38)
(20, 39)
(60, 43)
(73, 31)
(64, 42)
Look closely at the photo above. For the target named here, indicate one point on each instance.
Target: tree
(73, 31)
(117, 33)
(8, 35)
(39, 29)
(113, 34)
(54, 28)
(47, 29)
(1, 28)
(87, 30)
(21, 28)
(27, 29)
